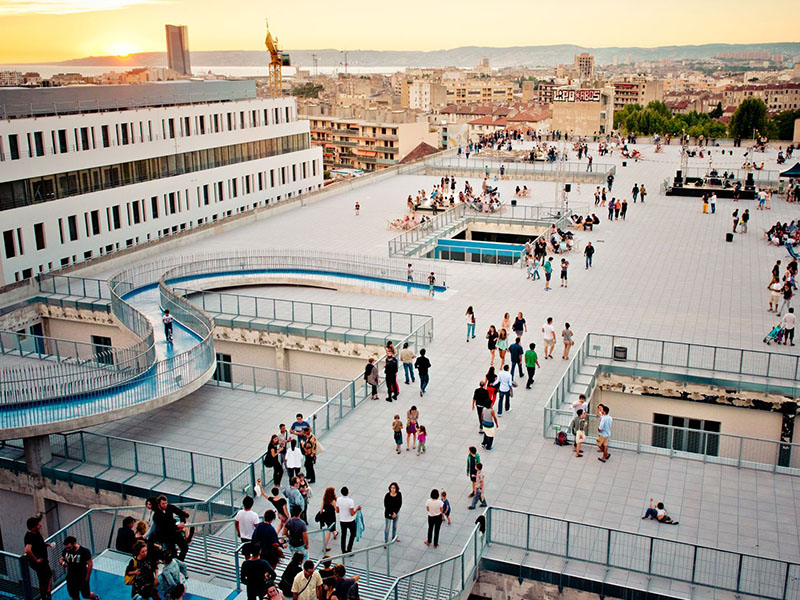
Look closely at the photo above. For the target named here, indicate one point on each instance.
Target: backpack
(352, 593)
(561, 439)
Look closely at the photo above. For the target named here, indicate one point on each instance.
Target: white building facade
(83, 184)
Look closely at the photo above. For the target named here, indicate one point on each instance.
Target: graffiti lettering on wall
(576, 95)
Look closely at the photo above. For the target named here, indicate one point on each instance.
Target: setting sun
(122, 49)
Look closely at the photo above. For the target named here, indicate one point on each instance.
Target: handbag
(130, 578)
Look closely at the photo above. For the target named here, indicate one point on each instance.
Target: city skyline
(122, 27)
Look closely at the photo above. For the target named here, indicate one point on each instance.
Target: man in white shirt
(549, 338)
(347, 510)
(788, 322)
(504, 379)
(580, 403)
(246, 520)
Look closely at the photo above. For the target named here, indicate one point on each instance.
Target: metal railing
(80, 287)
(353, 323)
(717, 367)
(276, 382)
(653, 556)
(760, 177)
(512, 168)
(444, 580)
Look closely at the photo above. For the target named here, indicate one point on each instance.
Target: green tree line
(751, 116)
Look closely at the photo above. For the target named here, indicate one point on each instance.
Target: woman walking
(435, 509)
(371, 377)
(492, 336)
(392, 502)
(310, 458)
(490, 424)
(327, 516)
(566, 337)
(506, 324)
(412, 416)
(491, 384)
(502, 345)
(470, 323)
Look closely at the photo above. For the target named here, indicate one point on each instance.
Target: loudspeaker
(729, 237)
(624, 163)
(514, 202)
(679, 175)
(567, 187)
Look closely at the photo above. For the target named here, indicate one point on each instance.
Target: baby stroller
(775, 335)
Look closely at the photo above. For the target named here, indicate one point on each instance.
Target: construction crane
(277, 60)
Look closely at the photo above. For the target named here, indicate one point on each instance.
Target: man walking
(246, 520)
(589, 166)
(635, 192)
(735, 219)
(603, 431)
(588, 252)
(296, 532)
(504, 389)
(548, 273)
(473, 460)
(255, 572)
(788, 322)
(531, 362)
(407, 357)
(549, 338)
(307, 584)
(610, 180)
(480, 400)
(516, 351)
(77, 560)
(745, 219)
(480, 487)
(423, 365)
(347, 510)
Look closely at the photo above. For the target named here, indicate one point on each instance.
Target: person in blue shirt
(294, 497)
(603, 431)
(267, 539)
(298, 428)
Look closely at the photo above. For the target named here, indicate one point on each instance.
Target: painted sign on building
(562, 95)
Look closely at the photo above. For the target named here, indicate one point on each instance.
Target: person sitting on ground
(659, 513)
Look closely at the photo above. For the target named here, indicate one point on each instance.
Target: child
(167, 320)
(480, 484)
(536, 269)
(421, 437)
(397, 427)
(358, 208)
(529, 264)
(445, 506)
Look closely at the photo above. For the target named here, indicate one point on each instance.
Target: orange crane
(277, 60)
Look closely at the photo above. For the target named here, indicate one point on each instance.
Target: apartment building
(636, 89)
(364, 144)
(426, 95)
(777, 97)
(581, 111)
(471, 91)
(86, 171)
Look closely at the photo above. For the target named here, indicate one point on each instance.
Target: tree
(717, 112)
(307, 90)
(750, 117)
(784, 124)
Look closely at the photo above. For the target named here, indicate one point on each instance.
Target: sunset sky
(53, 30)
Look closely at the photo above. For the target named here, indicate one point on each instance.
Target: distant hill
(466, 56)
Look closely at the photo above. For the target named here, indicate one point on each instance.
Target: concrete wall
(497, 586)
(80, 331)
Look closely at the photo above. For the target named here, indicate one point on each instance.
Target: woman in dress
(470, 323)
(328, 514)
(392, 502)
(492, 336)
(566, 337)
(309, 458)
(506, 324)
(412, 416)
(502, 345)
(281, 506)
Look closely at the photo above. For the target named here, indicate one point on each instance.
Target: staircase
(211, 558)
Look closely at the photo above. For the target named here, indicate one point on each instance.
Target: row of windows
(24, 192)
(136, 240)
(62, 141)
(73, 228)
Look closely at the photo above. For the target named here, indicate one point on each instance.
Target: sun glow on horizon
(122, 49)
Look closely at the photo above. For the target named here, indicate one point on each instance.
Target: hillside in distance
(466, 56)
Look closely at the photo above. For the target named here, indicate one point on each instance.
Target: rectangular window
(241, 119)
(62, 141)
(124, 132)
(72, 227)
(205, 195)
(13, 146)
(171, 204)
(38, 143)
(38, 234)
(61, 230)
(294, 172)
(686, 434)
(230, 121)
(220, 196)
(106, 138)
(202, 122)
(116, 223)
(154, 207)
(187, 129)
(94, 219)
(260, 181)
(85, 138)
(137, 217)
(103, 352)
(8, 242)
(171, 124)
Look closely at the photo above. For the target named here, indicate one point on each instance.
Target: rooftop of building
(39, 102)
(664, 273)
